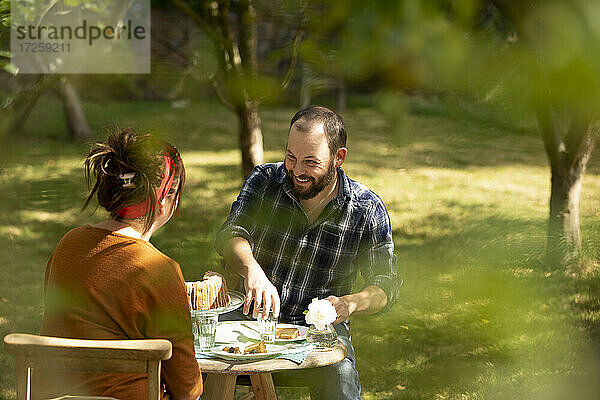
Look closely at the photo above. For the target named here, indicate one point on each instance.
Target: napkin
(298, 354)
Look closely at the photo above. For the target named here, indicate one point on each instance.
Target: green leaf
(10, 68)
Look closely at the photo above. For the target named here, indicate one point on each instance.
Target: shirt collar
(281, 175)
(345, 190)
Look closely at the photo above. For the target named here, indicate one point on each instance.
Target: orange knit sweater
(102, 285)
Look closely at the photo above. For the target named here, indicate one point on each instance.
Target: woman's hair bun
(127, 169)
(128, 152)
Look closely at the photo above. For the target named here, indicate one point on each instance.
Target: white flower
(320, 313)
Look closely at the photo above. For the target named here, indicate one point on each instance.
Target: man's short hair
(335, 130)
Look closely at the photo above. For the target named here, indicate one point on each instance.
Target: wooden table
(222, 374)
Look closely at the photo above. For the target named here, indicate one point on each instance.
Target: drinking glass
(267, 327)
(204, 326)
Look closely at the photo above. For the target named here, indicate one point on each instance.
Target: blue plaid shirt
(305, 260)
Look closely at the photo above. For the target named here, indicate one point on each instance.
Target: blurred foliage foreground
(478, 316)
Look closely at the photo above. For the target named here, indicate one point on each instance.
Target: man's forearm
(259, 289)
(370, 300)
(238, 255)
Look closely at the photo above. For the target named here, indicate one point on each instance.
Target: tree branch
(169, 47)
(227, 35)
(219, 93)
(247, 43)
(543, 110)
(586, 148)
(226, 69)
(14, 113)
(200, 22)
(287, 78)
(552, 142)
(575, 138)
(222, 41)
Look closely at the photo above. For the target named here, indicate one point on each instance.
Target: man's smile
(302, 181)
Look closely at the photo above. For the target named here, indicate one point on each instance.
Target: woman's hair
(128, 170)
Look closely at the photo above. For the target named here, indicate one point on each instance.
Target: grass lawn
(478, 317)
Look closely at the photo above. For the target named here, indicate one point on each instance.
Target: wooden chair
(94, 356)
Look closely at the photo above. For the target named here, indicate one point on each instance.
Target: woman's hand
(261, 291)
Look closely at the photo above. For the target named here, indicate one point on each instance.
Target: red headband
(141, 209)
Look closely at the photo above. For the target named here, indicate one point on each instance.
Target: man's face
(308, 162)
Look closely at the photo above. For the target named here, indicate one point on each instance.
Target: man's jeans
(333, 382)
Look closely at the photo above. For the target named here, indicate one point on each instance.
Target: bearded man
(301, 230)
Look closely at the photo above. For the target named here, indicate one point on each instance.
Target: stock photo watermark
(75, 37)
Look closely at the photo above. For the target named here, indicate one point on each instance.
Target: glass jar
(325, 339)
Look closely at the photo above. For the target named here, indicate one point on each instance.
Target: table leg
(219, 387)
(263, 387)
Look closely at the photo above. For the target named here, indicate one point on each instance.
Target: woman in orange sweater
(107, 281)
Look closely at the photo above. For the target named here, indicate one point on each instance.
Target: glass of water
(204, 326)
(267, 327)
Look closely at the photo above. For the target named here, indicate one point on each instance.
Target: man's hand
(238, 254)
(341, 307)
(260, 290)
(370, 300)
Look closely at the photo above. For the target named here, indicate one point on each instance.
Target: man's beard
(317, 185)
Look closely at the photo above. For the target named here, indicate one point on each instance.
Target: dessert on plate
(209, 293)
(286, 333)
(256, 348)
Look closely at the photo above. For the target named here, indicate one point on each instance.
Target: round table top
(316, 358)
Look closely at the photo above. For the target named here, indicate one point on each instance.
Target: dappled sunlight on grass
(67, 216)
(25, 234)
(12, 232)
(478, 316)
(495, 334)
(8, 393)
(209, 158)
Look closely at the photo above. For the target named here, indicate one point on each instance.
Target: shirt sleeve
(376, 258)
(169, 318)
(244, 210)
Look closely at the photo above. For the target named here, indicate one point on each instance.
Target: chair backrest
(94, 356)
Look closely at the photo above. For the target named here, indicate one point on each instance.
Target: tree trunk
(564, 241)
(250, 134)
(76, 122)
(563, 244)
(251, 140)
(14, 113)
(568, 153)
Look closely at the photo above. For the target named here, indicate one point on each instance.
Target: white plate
(273, 350)
(244, 331)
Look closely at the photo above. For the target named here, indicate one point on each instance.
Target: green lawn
(478, 317)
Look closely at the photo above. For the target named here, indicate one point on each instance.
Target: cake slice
(286, 333)
(209, 293)
(256, 348)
